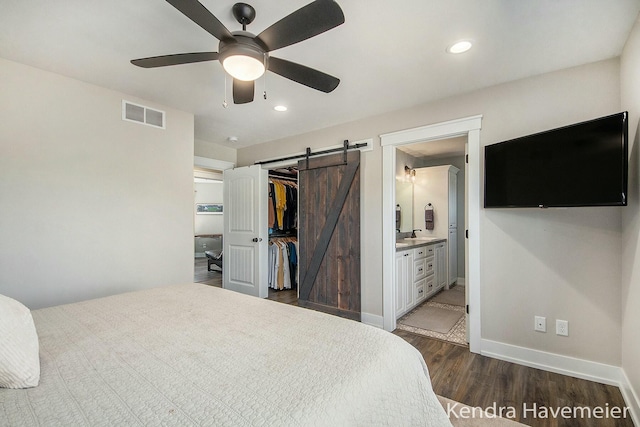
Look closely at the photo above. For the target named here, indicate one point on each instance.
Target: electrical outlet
(204, 245)
(562, 328)
(540, 324)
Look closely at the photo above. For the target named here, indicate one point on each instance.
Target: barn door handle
(257, 239)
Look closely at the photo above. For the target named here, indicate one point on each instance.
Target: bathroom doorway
(469, 126)
(430, 214)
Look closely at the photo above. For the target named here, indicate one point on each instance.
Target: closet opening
(292, 230)
(282, 222)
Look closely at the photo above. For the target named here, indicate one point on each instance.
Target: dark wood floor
(201, 275)
(480, 381)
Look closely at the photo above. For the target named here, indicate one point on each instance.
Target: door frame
(469, 126)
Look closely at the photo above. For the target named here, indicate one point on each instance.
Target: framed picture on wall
(209, 208)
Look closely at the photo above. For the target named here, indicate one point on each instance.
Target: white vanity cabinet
(404, 276)
(441, 265)
(420, 273)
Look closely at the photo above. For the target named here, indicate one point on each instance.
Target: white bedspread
(198, 355)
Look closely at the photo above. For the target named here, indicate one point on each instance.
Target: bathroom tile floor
(456, 335)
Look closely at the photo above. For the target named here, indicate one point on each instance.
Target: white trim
(207, 163)
(469, 126)
(460, 281)
(630, 397)
(285, 163)
(372, 319)
(552, 362)
(450, 129)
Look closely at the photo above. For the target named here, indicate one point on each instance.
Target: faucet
(413, 233)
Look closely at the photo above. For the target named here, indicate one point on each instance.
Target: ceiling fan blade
(199, 14)
(243, 91)
(176, 59)
(304, 75)
(306, 22)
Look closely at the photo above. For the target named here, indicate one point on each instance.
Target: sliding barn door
(329, 234)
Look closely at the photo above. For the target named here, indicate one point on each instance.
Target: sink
(425, 239)
(400, 245)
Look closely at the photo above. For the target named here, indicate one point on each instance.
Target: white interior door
(245, 236)
(466, 241)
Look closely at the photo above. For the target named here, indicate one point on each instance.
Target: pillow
(19, 349)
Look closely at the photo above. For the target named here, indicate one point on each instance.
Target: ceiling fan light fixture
(244, 59)
(243, 67)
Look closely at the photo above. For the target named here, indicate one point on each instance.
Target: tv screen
(579, 165)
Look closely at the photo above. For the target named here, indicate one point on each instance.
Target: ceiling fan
(246, 56)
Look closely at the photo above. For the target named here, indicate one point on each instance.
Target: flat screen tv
(578, 165)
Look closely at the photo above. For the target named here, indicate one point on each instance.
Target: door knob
(257, 239)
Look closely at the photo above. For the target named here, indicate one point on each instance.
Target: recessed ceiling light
(280, 108)
(233, 139)
(460, 47)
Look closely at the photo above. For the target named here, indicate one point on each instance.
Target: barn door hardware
(308, 153)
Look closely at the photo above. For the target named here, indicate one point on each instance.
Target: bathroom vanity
(421, 271)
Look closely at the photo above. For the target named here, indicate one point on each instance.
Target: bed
(198, 355)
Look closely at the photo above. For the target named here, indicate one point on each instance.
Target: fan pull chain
(264, 60)
(224, 103)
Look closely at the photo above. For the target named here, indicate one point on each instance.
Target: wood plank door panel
(329, 234)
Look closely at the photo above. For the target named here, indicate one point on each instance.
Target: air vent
(140, 114)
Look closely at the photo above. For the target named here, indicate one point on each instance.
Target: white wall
(432, 186)
(630, 90)
(556, 263)
(212, 150)
(91, 205)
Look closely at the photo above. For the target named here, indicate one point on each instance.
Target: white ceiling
(388, 55)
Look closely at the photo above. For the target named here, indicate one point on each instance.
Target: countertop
(410, 243)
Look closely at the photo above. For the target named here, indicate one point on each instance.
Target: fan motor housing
(244, 44)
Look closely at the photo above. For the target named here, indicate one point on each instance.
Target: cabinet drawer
(420, 269)
(421, 252)
(429, 250)
(429, 266)
(420, 290)
(429, 286)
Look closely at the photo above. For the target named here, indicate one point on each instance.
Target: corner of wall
(630, 397)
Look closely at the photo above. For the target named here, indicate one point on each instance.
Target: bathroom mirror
(404, 202)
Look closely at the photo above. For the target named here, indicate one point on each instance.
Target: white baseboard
(630, 397)
(460, 281)
(372, 319)
(565, 365)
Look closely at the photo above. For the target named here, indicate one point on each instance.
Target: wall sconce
(409, 174)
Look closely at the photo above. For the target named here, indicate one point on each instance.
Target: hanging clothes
(283, 263)
(283, 199)
(271, 216)
(281, 203)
